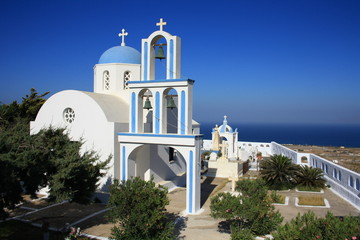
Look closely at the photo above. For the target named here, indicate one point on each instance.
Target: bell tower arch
(172, 54)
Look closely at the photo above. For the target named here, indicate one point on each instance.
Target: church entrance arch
(170, 161)
(163, 163)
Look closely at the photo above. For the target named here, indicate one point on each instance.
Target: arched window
(326, 169)
(357, 184)
(351, 181)
(106, 80)
(335, 173)
(339, 176)
(127, 76)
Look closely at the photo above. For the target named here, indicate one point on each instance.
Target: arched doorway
(164, 163)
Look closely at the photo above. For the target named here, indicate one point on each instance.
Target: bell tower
(161, 106)
(172, 54)
(161, 114)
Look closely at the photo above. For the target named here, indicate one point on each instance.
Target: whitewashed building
(145, 123)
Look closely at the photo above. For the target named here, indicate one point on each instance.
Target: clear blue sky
(255, 61)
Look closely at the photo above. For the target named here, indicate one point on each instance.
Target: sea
(302, 134)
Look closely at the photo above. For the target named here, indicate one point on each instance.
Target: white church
(145, 123)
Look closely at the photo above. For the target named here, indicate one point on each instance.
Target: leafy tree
(251, 209)
(10, 188)
(308, 226)
(278, 171)
(138, 208)
(72, 175)
(310, 177)
(27, 110)
(47, 158)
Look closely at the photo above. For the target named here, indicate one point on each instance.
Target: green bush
(308, 226)
(242, 234)
(276, 198)
(278, 172)
(310, 177)
(138, 208)
(251, 209)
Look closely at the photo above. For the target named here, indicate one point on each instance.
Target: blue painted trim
(123, 166)
(133, 112)
(157, 112)
(182, 113)
(160, 135)
(171, 58)
(164, 80)
(146, 60)
(191, 169)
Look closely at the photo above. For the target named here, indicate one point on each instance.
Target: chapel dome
(121, 54)
(225, 127)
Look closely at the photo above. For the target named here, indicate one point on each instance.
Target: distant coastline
(302, 134)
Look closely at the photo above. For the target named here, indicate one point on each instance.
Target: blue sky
(255, 61)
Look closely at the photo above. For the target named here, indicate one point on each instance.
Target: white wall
(340, 185)
(90, 124)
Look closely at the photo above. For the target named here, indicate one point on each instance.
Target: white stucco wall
(94, 122)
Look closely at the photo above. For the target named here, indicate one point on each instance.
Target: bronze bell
(171, 103)
(147, 104)
(160, 53)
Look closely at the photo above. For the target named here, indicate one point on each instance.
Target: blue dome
(121, 54)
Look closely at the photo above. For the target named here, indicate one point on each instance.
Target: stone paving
(201, 226)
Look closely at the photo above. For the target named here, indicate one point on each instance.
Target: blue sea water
(322, 135)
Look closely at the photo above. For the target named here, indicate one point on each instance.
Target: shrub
(310, 177)
(277, 198)
(138, 207)
(242, 234)
(309, 226)
(251, 209)
(278, 172)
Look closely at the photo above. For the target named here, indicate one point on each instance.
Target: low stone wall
(344, 182)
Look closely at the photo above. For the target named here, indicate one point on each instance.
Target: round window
(69, 115)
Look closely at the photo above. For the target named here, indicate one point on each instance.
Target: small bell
(171, 103)
(160, 54)
(147, 104)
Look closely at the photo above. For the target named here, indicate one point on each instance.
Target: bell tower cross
(161, 24)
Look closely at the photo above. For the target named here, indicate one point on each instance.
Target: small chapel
(140, 119)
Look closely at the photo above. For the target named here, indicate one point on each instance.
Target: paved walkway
(202, 226)
(91, 218)
(338, 206)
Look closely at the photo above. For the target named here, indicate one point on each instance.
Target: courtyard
(92, 218)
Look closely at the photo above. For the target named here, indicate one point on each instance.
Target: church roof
(114, 108)
(121, 54)
(225, 127)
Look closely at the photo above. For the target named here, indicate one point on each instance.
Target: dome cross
(122, 35)
(161, 24)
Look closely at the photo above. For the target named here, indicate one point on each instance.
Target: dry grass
(311, 200)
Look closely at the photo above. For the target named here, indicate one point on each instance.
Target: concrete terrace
(92, 218)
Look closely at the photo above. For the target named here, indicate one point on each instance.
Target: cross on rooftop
(161, 24)
(122, 35)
